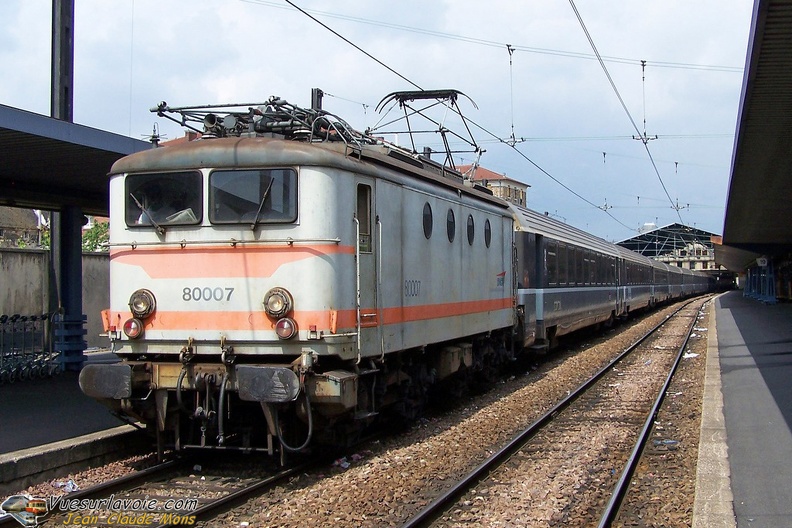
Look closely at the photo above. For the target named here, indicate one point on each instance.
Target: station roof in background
(759, 206)
(48, 164)
(666, 240)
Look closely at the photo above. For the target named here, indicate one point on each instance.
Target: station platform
(745, 454)
(42, 411)
(754, 344)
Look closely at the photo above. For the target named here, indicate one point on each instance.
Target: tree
(97, 237)
(93, 240)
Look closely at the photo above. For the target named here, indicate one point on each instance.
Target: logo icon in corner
(24, 508)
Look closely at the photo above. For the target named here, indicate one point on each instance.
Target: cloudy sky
(574, 122)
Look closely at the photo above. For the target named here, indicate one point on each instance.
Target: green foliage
(45, 238)
(96, 238)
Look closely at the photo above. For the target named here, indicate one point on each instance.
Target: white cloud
(131, 54)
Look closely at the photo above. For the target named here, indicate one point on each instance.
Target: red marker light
(133, 328)
(285, 328)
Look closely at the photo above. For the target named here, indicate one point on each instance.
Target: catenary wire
(366, 53)
(494, 44)
(501, 140)
(624, 106)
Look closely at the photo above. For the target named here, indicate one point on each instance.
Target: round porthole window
(451, 225)
(427, 220)
(471, 229)
(487, 233)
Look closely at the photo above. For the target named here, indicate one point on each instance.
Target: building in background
(19, 227)
(501, 185)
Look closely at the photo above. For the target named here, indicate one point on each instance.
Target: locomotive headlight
(142, 303)
(133, 328)
(278, 302)
(286, 328)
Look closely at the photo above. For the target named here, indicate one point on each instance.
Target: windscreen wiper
(261, 205)
(160, 229)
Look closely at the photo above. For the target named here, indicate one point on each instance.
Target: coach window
(563, 265)
(596, 268)
(527, 261)
(487, 233)
(471, 229)
(451, 225)
(603, 269)
(363, 216)
(571, 267)
(612, 271)
(427, 220)
(552, 264)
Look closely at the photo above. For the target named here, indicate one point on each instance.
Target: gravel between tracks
(386, 486)
(663, 488)
(391, 480)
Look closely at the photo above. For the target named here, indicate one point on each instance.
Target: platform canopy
(759, 205)
(48, 164)
(660, 241)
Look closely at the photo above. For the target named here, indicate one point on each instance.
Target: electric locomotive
(284, 280)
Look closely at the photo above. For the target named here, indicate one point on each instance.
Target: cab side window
(363, 215)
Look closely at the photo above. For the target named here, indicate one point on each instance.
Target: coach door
(367, 268)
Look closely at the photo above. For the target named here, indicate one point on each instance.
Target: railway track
(174, 493)
(613, 410)
(363, 476)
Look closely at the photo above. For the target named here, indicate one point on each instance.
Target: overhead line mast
(644, 137)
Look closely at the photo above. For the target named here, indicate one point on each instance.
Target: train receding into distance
(284, 281)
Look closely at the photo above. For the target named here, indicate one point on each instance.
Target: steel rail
(620, 490)
(132, 480)
(107, 487)
(431, 512)
(236, 497)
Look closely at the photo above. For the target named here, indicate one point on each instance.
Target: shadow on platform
(37, 412)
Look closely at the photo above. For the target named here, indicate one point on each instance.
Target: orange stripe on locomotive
(221, 262)
(326, 320)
